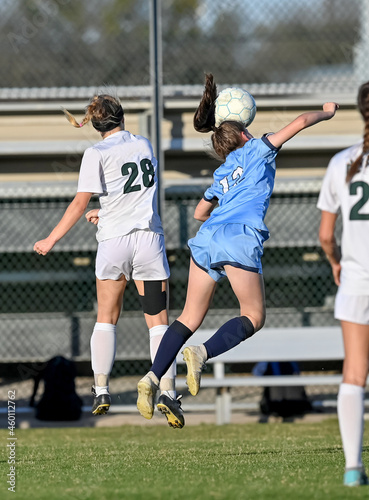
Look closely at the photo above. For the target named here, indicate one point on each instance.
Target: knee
(260, 323)
(354, 379)
(258, 320)
(256, 315)
(154, 300)
(355, 374)
(110, 318)
(192, 320)
(191, 323)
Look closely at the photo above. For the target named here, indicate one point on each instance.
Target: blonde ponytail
(72, 120)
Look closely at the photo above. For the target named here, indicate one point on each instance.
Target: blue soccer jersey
(243, 185)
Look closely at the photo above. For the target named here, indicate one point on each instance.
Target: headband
(110, 122)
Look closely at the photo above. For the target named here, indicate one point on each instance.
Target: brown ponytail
(363, 105)
(204, 118)
(103, 110)
(225, 138)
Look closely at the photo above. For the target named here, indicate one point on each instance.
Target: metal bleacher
(38, 176)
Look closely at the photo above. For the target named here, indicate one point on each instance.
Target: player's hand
(42, 247)
(330, 107)
(336, 271)
(92, 216)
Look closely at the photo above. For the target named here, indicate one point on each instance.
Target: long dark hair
(363, 106)
(225, 138)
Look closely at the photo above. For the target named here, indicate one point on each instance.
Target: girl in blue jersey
(229, 243)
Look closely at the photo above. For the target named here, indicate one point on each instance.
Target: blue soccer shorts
(235, 245)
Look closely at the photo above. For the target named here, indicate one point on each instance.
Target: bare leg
(109, 299)
(200, 292)
(356, 343)
(249, 290)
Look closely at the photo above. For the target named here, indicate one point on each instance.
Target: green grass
(253, 461)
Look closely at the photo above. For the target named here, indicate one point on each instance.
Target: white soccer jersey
(353, 201)
(122, 170)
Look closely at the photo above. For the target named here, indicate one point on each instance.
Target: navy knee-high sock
(229, 335)
(174, 338)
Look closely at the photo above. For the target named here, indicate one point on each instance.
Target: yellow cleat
(146, 395)
(195, 360)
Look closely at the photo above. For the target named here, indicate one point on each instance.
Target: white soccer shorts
(139, 255)
(352, 308)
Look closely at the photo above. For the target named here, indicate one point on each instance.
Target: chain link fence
(299, 285)
(48, 303)
(310, 46)
(58, 49)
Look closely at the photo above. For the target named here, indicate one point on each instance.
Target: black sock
(174, 338)
(229, 335)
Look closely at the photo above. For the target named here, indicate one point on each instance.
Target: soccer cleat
(146, 395)
(101, 403)
(195, 361)
(355, 477)
(171, 408)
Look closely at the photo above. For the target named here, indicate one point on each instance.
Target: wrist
(52, 239)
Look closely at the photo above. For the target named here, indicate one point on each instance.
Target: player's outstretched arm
(301, 122)
(73, 213)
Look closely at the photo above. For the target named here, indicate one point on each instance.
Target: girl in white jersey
(346, 189)
(121, 169)
(230, 242)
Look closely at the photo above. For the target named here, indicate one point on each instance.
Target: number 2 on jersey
(131, 169)
(354, 212)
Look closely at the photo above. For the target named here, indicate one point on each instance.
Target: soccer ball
(234, 104)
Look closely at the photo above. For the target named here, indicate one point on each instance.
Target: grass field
(251, 461)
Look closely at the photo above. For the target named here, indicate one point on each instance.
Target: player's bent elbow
(326, 239)
(303, 121)
(200, 216)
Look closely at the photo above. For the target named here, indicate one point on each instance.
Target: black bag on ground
(59, 400)
(283, 401)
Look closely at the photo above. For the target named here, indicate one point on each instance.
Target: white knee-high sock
(167, 382)
(103, 346)
(351, 419)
